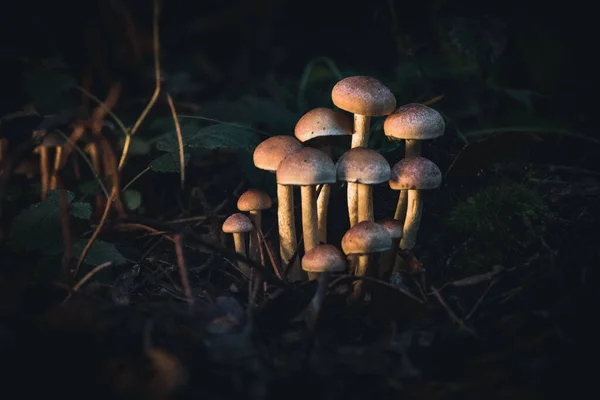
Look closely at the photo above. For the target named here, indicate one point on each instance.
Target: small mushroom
(386, 260)
(47, 177)
(414, 174)
(319, 126)
(254, 201)
(267, 156)
(412, 122)
(239, 224)
(365, 97)
(307, 168)
(323, 260)
(364, 239)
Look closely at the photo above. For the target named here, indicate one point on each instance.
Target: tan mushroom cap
(322, 122)
(237, 223)
(415, 173)
(306, 167)
(394, 227)
(362, 165)
(414, 121)
(254, 200)
(323, 258)
(363, 95)
(270, 152)
(366, 237)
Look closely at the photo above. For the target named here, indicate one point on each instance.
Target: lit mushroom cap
(306, 167)
(366, 237)
(414, 121)
(323, 258)
(394, 227)
(363, 165)
(270, 152)
(415, 173)
(363, 95)
(237, 223)
(322, 122)
(254, 200)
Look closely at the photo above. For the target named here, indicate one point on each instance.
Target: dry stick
(179, 139)
(480, 299)
(156, 48)
(378, 281)
(451, 313)
(133, 226)
(182, 269)
(262, 240)
(87, 276)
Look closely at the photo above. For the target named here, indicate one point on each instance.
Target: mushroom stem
(413, 219)
(365, 202)
(362, 266)
(57, 158)
(387, 260)
(412, 148)
(322, 205)
(254, 250)
(287, 227)
(314, 308)
(44, 171)
(240, 248)
(310, 230)
(360, 138)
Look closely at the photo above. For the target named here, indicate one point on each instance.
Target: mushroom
(365, 167)
(323, 260)
(318, 125)
(267, 156)
(254, 201)
(93, 150)
(46, 177)
(414, 174)
(238, 224)
(365, 97)
(364, 239)
(412, 122)
(386, 260)
(307, 168)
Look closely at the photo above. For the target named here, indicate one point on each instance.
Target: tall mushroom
(414, 174)
(364, 239)
(307, 168)
(366, 168)
(254, 201)
(238, 224)
(412, 122)
(267, 156)
(318, 126)
(365, 97)
(323, 260)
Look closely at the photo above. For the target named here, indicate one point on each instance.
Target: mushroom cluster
(305, 161)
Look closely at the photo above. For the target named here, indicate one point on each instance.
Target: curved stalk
(412, 222)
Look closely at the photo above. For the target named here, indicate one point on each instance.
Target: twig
(182, 269)
(179, 140)
(451, 313)
(480, 299)
(87, 276)
(262, 240)
(378, 281)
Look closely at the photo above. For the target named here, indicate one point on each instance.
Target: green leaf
(138, 146)
(189, 130)
(90, 188)
(99, 253)
(168, 162)
(81, 210)
(38, 227)
(49, 90)
(218, 136)
(132, 199)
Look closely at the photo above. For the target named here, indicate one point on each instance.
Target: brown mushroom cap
(363, 95)
(394, 227)
(366, 237)
(237, 223)
(415, 173)
(414, 121)
(322, 122)
(363, 165)
(270, 152)
(323, 258)
(306, 167)
(254, 200)
(52, 140)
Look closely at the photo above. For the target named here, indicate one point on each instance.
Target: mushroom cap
(306, 167)
(415, 173)
(270, 152)
(363, 95)
(52, 140)
(322, 122)
(323, 258)
(394, 227)
(414, 121)
(237, 223)
(363, 165)
(254, 200)
(366, 237)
